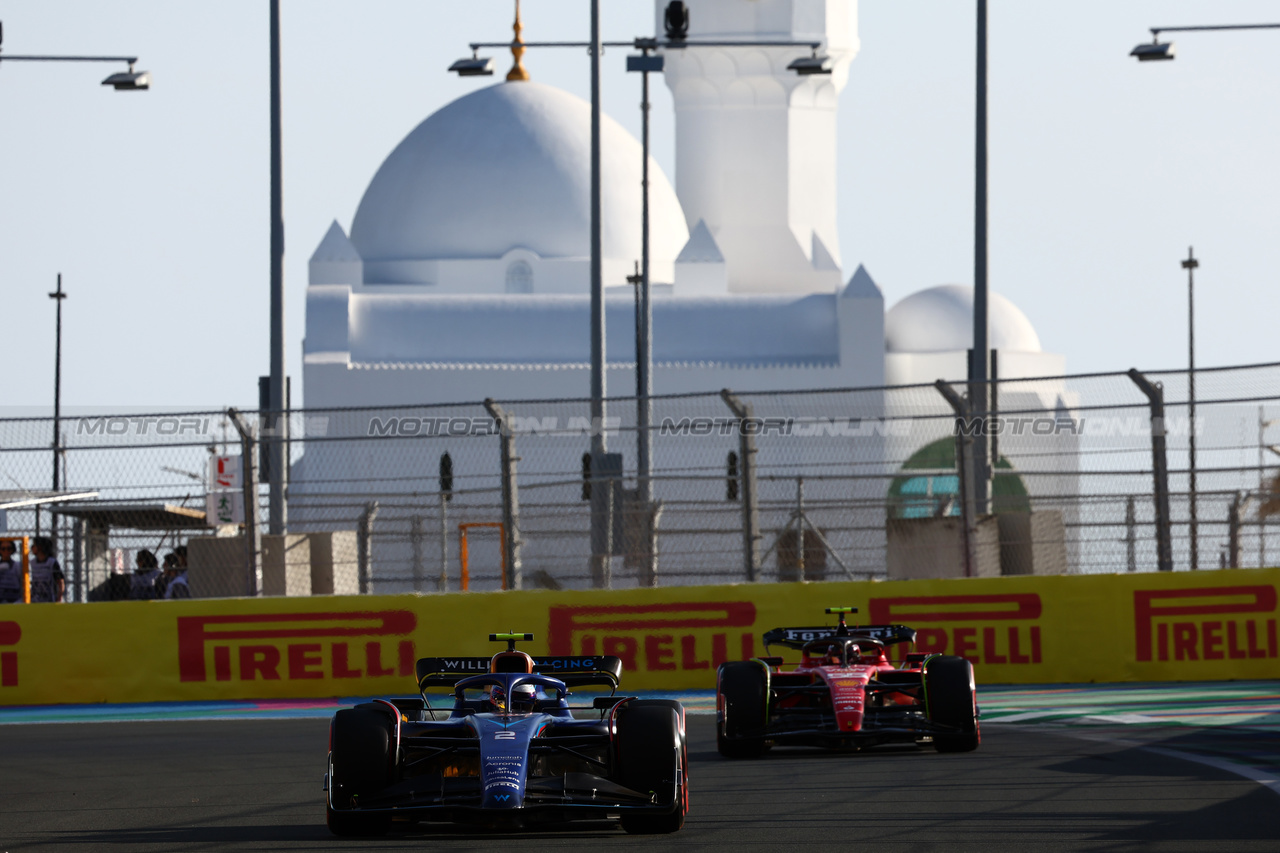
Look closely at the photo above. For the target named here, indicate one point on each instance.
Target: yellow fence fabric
(1183, 626)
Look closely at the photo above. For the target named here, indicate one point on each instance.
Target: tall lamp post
(1156, 50)
(980, 360)
(58, 295)
(478, 66)
(278, 421)
(1190, 265)
(121, 81)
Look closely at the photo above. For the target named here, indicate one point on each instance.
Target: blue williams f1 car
(510, 753)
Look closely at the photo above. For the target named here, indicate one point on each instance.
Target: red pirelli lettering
(955, 608)
(197, 633)
(1186, 640)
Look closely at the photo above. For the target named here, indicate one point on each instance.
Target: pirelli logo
(990, 629)
(10, 634)
(656, 637)
(1205, 623)
(296, 646)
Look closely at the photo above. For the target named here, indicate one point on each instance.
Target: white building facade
(466, 272)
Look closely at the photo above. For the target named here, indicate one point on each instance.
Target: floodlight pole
(1190, 265)
(58, 295)
(978, 365)
(602, 491)
(644, 334)
(278, 421)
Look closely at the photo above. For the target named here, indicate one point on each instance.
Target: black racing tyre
(651, 756)
(361, 743)
(742, 702)
(951, 699)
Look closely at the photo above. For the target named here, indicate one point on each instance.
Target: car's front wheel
(742, 697)
(951, 699)
(652, 759)
(360, 761)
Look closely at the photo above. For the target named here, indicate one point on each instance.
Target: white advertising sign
(225, 472)
(224, 508)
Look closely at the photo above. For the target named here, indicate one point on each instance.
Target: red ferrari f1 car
(845, 694)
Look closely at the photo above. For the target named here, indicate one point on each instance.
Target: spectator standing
(10, 574)
(175, 579)
(145, 577)
(47, 580)
(167, 570)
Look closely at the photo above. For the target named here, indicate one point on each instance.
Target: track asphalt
(1127, 768)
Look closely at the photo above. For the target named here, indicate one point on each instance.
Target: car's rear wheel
(361, 765)
(742, 703)
(652, 758)
(951, 699)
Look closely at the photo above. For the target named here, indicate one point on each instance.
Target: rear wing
(573, 670)
(796, 638)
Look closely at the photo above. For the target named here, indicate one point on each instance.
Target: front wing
(547, 799)
(809, 725)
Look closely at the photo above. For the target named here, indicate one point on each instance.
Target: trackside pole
(1159, 468)
(750, 508)
(252, 532)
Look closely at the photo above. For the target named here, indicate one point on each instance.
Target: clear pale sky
(154, 205)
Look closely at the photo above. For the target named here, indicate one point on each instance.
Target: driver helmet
(522, 698)
(519, 702)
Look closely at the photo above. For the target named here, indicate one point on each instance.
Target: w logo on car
(503, 797)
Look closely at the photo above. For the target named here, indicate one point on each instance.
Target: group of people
(149, 580)
(47, 580)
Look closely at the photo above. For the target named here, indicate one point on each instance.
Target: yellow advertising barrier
(1136, 627)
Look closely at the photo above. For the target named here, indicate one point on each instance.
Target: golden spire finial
(517, 71)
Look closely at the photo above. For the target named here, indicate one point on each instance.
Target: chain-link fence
(814, 484)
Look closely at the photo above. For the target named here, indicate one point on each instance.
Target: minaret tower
(756, 142)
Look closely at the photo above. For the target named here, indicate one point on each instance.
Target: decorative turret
(756, 142)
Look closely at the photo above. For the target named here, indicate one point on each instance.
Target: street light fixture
(811, 65)
(476, 66)
(1156, 50)
(129, 81)
(121, 81)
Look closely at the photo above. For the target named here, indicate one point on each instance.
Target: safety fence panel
(814, 484)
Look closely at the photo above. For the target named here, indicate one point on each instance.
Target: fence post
(442, 583)
(79, 579)
(364, 545)
(252, 532)
(1233, 532)
(1159, 468)
(745, 413)
(510, 496)
(1131, 534)
(415, 544)
(964, 468)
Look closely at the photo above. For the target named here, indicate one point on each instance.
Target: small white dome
(940, 319)
(506, 167)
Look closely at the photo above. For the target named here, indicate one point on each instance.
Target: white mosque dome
(940, 319)
(509, 167)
